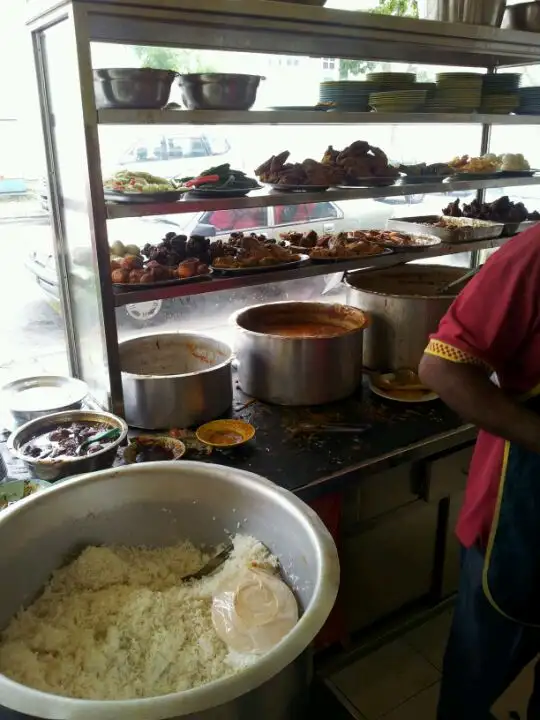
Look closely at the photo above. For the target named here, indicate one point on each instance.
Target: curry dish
(301, 329)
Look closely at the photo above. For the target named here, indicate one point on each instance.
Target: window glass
(189, 147)
(239, 219)
(287, 214)
(218, 145)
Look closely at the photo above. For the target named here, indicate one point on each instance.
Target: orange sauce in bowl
(224, 437)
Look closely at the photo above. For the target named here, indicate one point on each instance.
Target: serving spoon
(212, 565)
(112, 434)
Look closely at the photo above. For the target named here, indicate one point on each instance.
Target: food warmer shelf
(128, 297)
(311, 465)
(314, 117)
(272, 198)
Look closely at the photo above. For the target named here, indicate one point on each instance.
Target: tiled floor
(400, 680)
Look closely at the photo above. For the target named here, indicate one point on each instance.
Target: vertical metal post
(47, 121)
(63, 63)
(481, 194)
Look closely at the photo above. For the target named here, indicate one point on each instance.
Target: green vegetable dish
(128, 182)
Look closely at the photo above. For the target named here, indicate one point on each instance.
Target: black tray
(203, 193)
(385, 251)
(142, 198)
(516, 173)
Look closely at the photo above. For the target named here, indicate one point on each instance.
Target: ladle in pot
(454, 283)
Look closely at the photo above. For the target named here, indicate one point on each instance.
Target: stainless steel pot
(219, 91)
(475, 12)
(52, 470)
(136, 88)
(175, 380)
(523, 16)
(295, 370)
(159, 504)
(404, 309)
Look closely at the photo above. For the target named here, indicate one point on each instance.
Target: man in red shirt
(484, 362)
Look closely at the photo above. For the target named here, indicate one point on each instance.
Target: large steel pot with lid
(405, 307)
(157, 505)
(281, 364)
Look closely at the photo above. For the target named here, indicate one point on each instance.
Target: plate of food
(219, 181)
(396, 240)
(369, 182)
(152, 448)
(517, 173)
(139, 187)
(337, 168)
(11, 491)
(402, 386)
(320, 255)
(424, 173)
(244, 266)
(176, 260)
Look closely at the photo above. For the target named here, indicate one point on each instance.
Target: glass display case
(295, 48)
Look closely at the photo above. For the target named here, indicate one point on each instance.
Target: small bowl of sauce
(153, 448)
(225, 433)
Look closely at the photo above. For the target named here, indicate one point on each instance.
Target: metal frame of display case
(61, 35)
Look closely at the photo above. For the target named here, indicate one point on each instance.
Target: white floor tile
(421, 707)
(382, 681)
(430, 638)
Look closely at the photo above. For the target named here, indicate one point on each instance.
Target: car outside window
(186, 147)
(237, 220)
(218, 145)
(290, 214)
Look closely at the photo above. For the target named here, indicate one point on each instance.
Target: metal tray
(420, 226)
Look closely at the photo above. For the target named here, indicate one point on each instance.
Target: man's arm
(468, 391)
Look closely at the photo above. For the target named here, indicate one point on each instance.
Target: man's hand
(469, 391)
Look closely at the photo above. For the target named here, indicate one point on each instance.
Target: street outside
(32, 330)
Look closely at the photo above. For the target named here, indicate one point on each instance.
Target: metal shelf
(315, 117)
(308, 270)
(279, 27)
(272, 198)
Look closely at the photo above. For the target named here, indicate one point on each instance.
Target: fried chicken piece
(330, 156)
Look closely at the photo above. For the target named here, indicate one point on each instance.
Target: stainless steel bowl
(136, 88)
(219, 91)
(474, 12)
(524, 16)
(52, 470)
(33, 397)
(160, 504)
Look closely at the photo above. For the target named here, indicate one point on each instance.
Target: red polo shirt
(495, 323)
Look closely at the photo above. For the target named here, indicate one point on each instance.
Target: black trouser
(485, 653)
